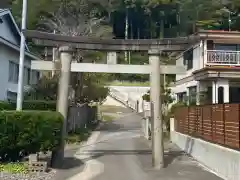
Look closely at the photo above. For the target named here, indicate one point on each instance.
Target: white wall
(7, 54)
(6, 32)
(184, 87)
(198, 62)
(224, 162)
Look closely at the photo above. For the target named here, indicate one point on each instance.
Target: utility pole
(53, 55)
(156, 109)
(21, 58)
(126, 34)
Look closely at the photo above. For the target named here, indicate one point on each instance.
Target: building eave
(17, 48)
(8, 12)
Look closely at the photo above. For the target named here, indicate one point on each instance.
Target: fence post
(202, 123)
(224, 126)
(239, 124)
(195, 120)
(188, 120)
(211, 122)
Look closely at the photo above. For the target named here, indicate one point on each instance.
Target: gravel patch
(32, 176)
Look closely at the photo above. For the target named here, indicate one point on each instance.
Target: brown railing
(216, 123)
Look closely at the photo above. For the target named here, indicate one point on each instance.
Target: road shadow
(98, 153)
(171, 156)
(68, 163)
(115, 126)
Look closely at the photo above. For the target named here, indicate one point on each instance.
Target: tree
(36, 9)
(78, 18)
(167, 99)
(47, 88)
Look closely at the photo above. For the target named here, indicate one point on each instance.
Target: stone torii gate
(154, 47)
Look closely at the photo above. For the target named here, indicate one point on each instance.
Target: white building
(9, 58)
(213, 68)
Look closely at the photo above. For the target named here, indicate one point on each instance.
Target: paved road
(118, 152)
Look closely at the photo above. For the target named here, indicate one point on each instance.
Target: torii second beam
(109, 68)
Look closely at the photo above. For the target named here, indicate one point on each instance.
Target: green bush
(30, 105)
(25, 132)
(39, 105)
(4, 105)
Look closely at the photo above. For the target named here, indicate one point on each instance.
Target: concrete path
(116, 151)
(112, 102)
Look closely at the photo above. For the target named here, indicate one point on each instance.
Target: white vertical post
(214, 92)
(157, 124)
(63, 91)
(226, 93)
(198, 95)
(53, 56)
(126, 34)
(111, 58)
(146, 127)
(21, 58)
(205, 55)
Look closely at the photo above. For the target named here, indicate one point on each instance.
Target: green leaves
(28, 132)
(14, 168)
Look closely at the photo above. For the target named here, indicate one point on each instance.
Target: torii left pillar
(156, 110)
(63, 92)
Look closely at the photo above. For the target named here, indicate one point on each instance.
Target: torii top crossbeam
(86, 43)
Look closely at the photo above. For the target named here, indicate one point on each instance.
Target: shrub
(39, 105)
(4, 105)
(30, 105)
(25, 132)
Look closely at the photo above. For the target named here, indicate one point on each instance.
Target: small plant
(79, 135)
(14, 168)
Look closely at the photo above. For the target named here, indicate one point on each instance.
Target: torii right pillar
(156, 110)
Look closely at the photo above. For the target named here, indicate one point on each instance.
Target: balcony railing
(218, 57)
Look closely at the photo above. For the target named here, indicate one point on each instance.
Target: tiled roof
(221, 31)
(2, 10)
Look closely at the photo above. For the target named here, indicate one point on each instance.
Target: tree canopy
(147, 18)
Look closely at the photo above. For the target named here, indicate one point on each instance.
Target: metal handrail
(223, 57)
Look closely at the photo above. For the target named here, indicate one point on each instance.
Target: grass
(128, 83)
(78, 135)
(111, 109)
(107, 118)
(14, 168)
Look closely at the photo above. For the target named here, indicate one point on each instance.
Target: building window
(226, 47)
(182, 97)
(28, 76)
(13, 72)
(11, 96)
(192, 95)
(188, 58)
(35, 76)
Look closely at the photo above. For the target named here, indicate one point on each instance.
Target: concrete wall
(129, 95)
(224, 162)
(79, 117)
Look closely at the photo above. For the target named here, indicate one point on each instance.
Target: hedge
(30, 105)
(6, 106)
(26, 132)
